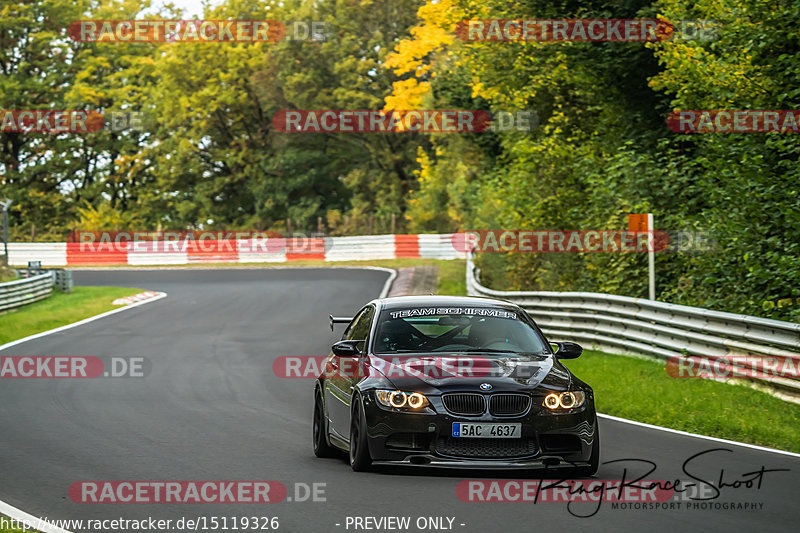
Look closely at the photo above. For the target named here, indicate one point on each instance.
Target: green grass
(641, 390)
(58, 310)
(4, 530)
(6, 274)
(452, 278)
(5, 521)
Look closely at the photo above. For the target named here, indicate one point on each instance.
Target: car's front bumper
(426, 439)
(548, 462)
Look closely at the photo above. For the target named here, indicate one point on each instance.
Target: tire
(594, 458)
(321, 446)
(360, 459)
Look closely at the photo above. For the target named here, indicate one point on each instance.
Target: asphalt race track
(212, 409)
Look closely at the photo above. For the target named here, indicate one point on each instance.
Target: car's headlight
(564, 400)
(398, 399)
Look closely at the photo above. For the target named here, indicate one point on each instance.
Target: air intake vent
(486, 448)
(509, 404)
(465, 404)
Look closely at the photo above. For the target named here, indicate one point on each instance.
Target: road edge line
(36, 523)
(159, 296)
(697, 435)
(8, 509)
(13, 512)
(389, 281)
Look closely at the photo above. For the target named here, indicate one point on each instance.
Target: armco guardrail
(21, 292)
(668, 331)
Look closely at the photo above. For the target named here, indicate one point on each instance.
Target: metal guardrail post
(5, 205)
(63, 280)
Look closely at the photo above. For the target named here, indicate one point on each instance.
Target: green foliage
(6, 274)
(104, 217)
(209, 156)
(602, 150)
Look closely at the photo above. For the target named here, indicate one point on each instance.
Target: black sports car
(453, 382)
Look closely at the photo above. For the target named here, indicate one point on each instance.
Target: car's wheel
(360, 459)
(321, 446)
(594, 458)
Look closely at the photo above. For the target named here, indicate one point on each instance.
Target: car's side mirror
(346, 348)
(567, 350)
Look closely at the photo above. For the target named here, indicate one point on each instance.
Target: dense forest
(207, 155)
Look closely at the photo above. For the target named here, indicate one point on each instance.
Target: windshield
(455, 330)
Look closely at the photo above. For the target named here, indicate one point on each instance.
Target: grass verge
(6, 274)
(641, 390)
(6, 522)
(58, 310)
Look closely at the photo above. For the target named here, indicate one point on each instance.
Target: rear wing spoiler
(340, 320)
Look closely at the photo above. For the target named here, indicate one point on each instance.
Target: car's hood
(466, 372)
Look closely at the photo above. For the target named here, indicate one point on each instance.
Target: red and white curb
(403, 282)
(154, 253)
(136, 298)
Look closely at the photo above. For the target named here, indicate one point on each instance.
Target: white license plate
(486, 431)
